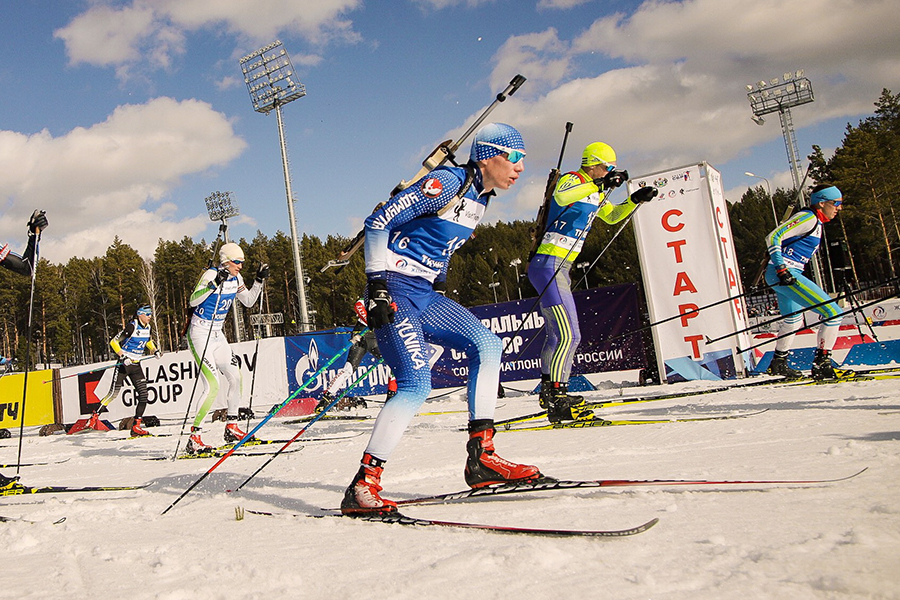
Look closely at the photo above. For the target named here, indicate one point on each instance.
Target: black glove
(157, 353)
(38, 222)
(611, 180)
(262, 273)
(221, 275)
(644, 194)
(784, 276)
(440, 287)
(381, 306)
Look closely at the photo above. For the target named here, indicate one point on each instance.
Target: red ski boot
(361, 498)
(484, 467)
(137, 430)
(233, 433)
(195, 445)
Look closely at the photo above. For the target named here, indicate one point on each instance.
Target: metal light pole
(493, 286)
(584, 266)
(268, 73)
(779, 95)
(769, 190)
(515, 263)
(221, 207)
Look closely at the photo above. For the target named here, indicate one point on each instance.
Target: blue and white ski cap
(824, 195)
(499, 134)
(145, 310)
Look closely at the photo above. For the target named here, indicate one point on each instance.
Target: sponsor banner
(603, 313)
(171, 380)
(38, 400)
(306, 354)
(687, 262)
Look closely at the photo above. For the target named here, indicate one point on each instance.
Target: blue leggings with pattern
(792, 298)
(424, 316)
(551, 275)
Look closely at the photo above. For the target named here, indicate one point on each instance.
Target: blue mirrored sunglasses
(237, 261)
(837, 202)
(512, 155)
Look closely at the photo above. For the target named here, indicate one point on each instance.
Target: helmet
(598, 153)
(484, 146)
(145, 310)
(230, 252)
(824, 193)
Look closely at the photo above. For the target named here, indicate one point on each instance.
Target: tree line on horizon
(81, 304)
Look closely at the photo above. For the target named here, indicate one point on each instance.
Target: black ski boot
(822, 367)
(563, 407)
(779, 366)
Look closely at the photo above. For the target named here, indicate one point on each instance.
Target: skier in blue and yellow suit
(791, 245)
(409, 242)
(579, 197)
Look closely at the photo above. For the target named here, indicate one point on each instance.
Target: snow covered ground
(839, 540)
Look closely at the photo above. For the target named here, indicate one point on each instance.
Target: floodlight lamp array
(792, 89)
(269, 74)
(220, 206)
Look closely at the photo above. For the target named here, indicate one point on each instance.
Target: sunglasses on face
(237, 262)
(512, 156)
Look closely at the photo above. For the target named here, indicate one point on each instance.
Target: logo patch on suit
(432, 187)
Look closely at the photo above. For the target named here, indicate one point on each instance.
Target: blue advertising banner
(603, 314)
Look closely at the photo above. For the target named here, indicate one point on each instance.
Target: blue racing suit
(792, 244)
(408, 245)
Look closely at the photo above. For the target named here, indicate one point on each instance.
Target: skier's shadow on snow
(875, 436)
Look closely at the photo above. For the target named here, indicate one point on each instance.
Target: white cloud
(152, 33)
(680, 96)
(101, 175)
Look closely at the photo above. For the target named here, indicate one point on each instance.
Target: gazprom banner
(603, 313)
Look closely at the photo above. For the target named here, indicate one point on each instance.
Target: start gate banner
(690, 275)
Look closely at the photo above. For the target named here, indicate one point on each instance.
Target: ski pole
(308, 425)
(34, 265)
(820, 321)
(797, 312)
(609, 243)
(272, 413)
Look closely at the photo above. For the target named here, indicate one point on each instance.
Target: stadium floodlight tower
(780, 96)
(221, 207)
(269, 76)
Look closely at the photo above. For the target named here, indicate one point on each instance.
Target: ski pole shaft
(608, 244)
(308, 425)
(271, 414)
(34, 265)
(819, 322)
(796, 312)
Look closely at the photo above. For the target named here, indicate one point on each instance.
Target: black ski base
(397, 518)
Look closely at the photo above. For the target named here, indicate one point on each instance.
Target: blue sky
(120, 118)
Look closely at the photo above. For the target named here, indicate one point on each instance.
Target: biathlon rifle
(541, 221)
(445, 152)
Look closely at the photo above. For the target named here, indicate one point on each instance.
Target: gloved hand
(38, 222)
(784, 276)
(262, 273)
(221, 276)
(611, 180)
(440, 287)
(381, 307)
(158, 354)
(644, 194)
(126, 361)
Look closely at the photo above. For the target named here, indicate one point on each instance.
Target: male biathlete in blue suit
(409, 242)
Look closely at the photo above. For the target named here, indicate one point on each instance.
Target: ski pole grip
(514, 85)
